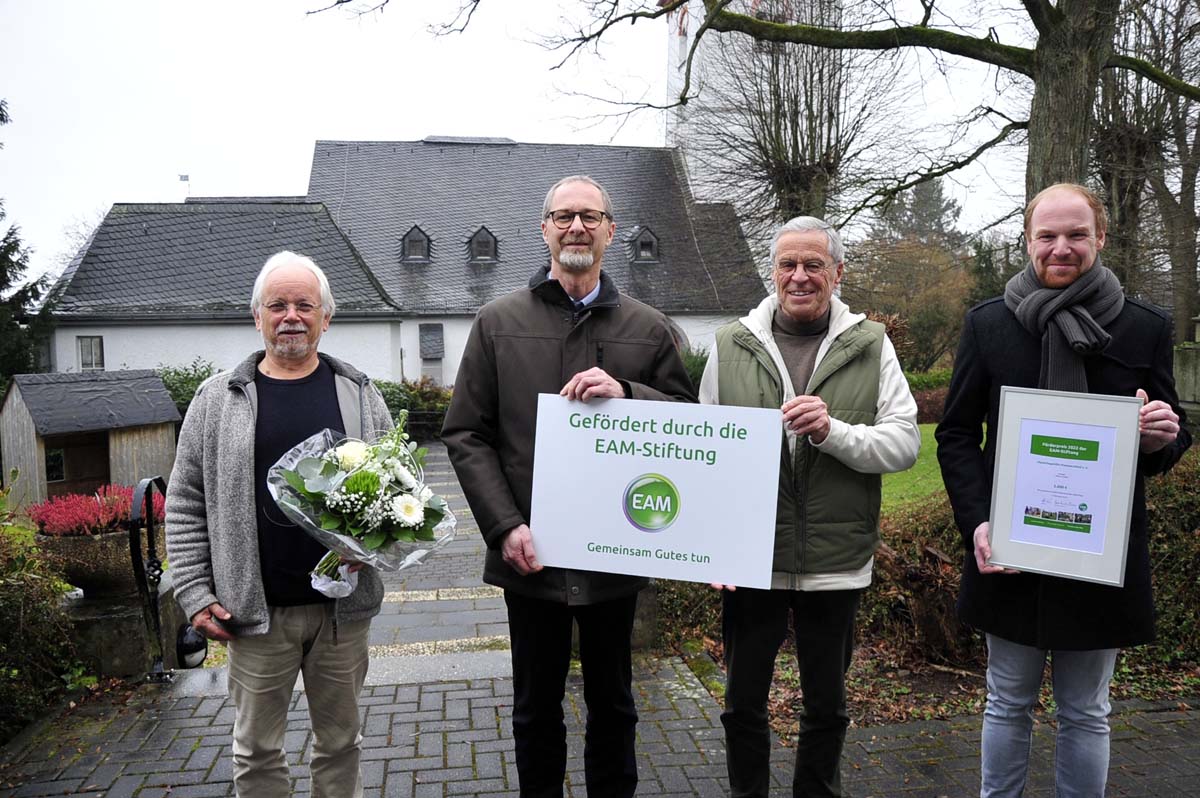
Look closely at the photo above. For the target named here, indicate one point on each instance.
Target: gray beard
(576, 261)
(297, 350)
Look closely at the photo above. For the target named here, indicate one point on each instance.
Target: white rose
(351, 454)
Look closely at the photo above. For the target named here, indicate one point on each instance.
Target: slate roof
(198, 260)
(95, 400)
(377, 190)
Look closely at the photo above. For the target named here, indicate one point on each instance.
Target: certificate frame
(1063, 483)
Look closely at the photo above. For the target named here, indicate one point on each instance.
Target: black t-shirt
(288, 412)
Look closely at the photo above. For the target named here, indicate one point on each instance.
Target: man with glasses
(848, 417)
(242, 570)
(572, 333)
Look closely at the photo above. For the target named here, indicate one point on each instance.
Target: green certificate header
(1065, 448)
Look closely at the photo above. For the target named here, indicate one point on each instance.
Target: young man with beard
(241, 569)
(1064, 323)
(572, 333)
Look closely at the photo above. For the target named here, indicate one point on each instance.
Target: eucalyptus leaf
(310, 467)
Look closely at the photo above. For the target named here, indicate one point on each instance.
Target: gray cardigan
(212, 531)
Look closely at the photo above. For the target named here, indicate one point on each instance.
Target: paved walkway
(437, 709)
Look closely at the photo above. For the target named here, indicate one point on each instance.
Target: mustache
(286, 327)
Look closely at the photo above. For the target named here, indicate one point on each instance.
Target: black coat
(1045, 611)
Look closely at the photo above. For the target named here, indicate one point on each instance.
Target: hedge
(911, 602)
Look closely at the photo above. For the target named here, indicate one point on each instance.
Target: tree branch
(1018, 59)
(1153, 74)
(887, 195)
(461, 20)
(1041, 13)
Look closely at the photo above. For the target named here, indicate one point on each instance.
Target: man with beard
(1064, 323)
(571, 333)
(241, 569)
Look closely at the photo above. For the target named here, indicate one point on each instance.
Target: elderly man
(241, 569)
(571, 333)
(1063, 323)
(848, 416)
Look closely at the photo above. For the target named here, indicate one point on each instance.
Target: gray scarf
(1070, 321)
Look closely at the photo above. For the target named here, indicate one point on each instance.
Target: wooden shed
(72, 433)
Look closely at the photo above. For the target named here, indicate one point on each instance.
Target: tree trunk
(1067, 61)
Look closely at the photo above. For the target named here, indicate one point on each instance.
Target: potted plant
(88, 537)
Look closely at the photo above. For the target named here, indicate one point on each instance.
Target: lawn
(919, 481)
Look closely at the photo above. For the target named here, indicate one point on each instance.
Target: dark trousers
(541, 654)
(755, 623)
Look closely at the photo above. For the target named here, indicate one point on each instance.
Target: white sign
(664, 489)
(1062, 491)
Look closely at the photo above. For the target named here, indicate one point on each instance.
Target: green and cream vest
(827, 519)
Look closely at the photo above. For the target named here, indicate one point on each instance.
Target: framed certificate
(1062, 491)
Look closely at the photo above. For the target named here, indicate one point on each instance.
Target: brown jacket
(529, 342)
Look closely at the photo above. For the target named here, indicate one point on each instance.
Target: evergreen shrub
(36, 655)
(425, 400)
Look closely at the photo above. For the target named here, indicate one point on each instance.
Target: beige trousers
(262, 675)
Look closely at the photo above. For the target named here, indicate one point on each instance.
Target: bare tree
(1072, 45)
(783, 130)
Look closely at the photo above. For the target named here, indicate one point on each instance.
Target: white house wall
(369, 346)
(701, 330)
(454, 338)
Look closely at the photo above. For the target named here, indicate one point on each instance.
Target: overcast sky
(112, 101)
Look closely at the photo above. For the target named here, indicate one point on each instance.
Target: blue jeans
(1081, 678)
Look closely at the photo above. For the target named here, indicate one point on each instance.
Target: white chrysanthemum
(403, 475)
(351, 454)
(407, 510)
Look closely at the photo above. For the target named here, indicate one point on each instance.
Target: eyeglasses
(302, 308)
(811, 267)
(564, 219)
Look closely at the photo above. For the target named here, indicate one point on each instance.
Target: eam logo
(651, 502)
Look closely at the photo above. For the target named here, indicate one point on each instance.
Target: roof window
(414, 247)
(482, 246)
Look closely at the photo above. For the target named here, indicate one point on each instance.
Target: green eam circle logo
(651, 502)
(1083, 506)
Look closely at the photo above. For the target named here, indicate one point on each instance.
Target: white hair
(804, 224)
(287, 258)
(604, 198)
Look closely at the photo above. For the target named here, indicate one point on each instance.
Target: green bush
(694, 359)
(425, 400)
(182, 381)
(928, 380)
(686, 611)
(1173, 502)
(36, 655)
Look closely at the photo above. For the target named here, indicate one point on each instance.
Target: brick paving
(427, 737)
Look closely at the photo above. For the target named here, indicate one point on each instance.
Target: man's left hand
(1158, 424)
(807, 415)
(595, 383)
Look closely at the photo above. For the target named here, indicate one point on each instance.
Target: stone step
(385, 670)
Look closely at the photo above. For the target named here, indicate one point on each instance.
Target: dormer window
(415, 246)
(645, 247)
(482, 246)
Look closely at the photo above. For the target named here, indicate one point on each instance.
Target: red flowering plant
(108, 510)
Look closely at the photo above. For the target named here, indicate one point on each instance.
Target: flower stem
(328, 566)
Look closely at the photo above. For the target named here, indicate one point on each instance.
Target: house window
(645, 247)
(433, 349)
(56, 465)
(415, 246)
(91, 352)
(483, 245)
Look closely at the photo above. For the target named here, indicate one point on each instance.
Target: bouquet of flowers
(367, 503)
